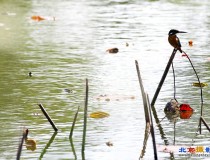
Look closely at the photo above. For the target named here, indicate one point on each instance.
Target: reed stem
(20, 146)
(163, 76)
(85, 120)
(201, 91)
(152, 128)
(73, 124)
(48, 117)
(142, 93)
(204, 122)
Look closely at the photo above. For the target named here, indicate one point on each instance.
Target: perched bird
(174, 40)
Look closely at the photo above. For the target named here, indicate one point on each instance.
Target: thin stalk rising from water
(20, 146)
(71, 134)
(85, 120)
(201, 91)
(163, 77)
(73, 124)
(48, 117)
(172, 65)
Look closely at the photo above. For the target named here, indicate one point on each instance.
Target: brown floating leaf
(37, 18)
(109, 144)
(99, 114)
(190, 43)
(112, 50)
(196, 84)
(30, 143)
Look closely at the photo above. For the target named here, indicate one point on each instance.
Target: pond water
(70, 45)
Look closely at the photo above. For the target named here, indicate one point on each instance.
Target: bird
(174, 40)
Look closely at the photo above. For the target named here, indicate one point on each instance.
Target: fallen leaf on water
(196, 84)
(186, 114)
(99, 114)
(30, 143)
(37, 18)
(190, 43)
(112, 50)
(109, 144)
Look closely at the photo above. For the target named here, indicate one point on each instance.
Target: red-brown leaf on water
(185, 107)
(190, 43)
(37, 18)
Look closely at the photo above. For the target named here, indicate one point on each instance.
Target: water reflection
(48, 145)
(73, 149)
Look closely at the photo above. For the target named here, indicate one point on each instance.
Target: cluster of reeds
(148, 107)
(56, 129)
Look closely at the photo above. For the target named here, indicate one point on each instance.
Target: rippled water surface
(70, 45)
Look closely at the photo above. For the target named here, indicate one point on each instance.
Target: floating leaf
(30, 144)
(196, 84)
(190, 43)
(109, 143)
(185, 107)
(186, 114)
(185, 111)
(99, 114)
(112, 50)
(37, 18)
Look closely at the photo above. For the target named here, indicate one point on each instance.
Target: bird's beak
(182, 32)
